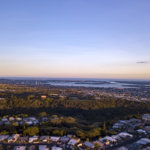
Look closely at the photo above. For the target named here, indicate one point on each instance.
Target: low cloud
(142, 62)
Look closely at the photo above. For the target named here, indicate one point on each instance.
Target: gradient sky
(75, 38)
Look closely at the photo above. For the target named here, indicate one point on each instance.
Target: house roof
(89, 144)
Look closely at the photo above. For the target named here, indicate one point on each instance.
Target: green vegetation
(86, 118)
(42, 114)
(31, 131)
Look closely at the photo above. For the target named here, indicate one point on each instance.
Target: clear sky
(75, 38)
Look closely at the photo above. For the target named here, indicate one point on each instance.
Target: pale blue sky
(75, 38)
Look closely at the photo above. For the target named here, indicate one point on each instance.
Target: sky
(75, 38)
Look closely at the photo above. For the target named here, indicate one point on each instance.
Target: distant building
(43, 97)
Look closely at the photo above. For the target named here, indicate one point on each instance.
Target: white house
(54, 138)
(33, 138)
(125, 135)
(74, 141)
(140, 131)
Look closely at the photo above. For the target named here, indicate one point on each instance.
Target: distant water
(100, 84)
(87, 82)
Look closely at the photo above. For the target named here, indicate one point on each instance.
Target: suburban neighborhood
(133, 134)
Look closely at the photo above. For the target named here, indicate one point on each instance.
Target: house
(89, 144)
(143, 141)
(125, 135)
(140, 131)
(35, 122)
(19, 148)
(70, 135)
(43, 147)
(105, 141)
(11, 118)
(134, 121)
(123, 121)
(29, 119)
(110, 139)
(23, 139)
(13, 138)
(56, 148)
(18, 119)
(146, 117)
(43, 97)
(54, 138)
(28, 122)
(147, 129)
(33, 138)
(4, 119)
(45, 138)
(118, 126)
(3, 137)
(64, 139)
(116, 137)
(79, 145)
(74, 141)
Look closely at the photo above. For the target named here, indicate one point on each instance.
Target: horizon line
(85, 78)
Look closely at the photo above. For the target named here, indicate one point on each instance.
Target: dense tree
(83, 116)
(42, 114)
(31, 131)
